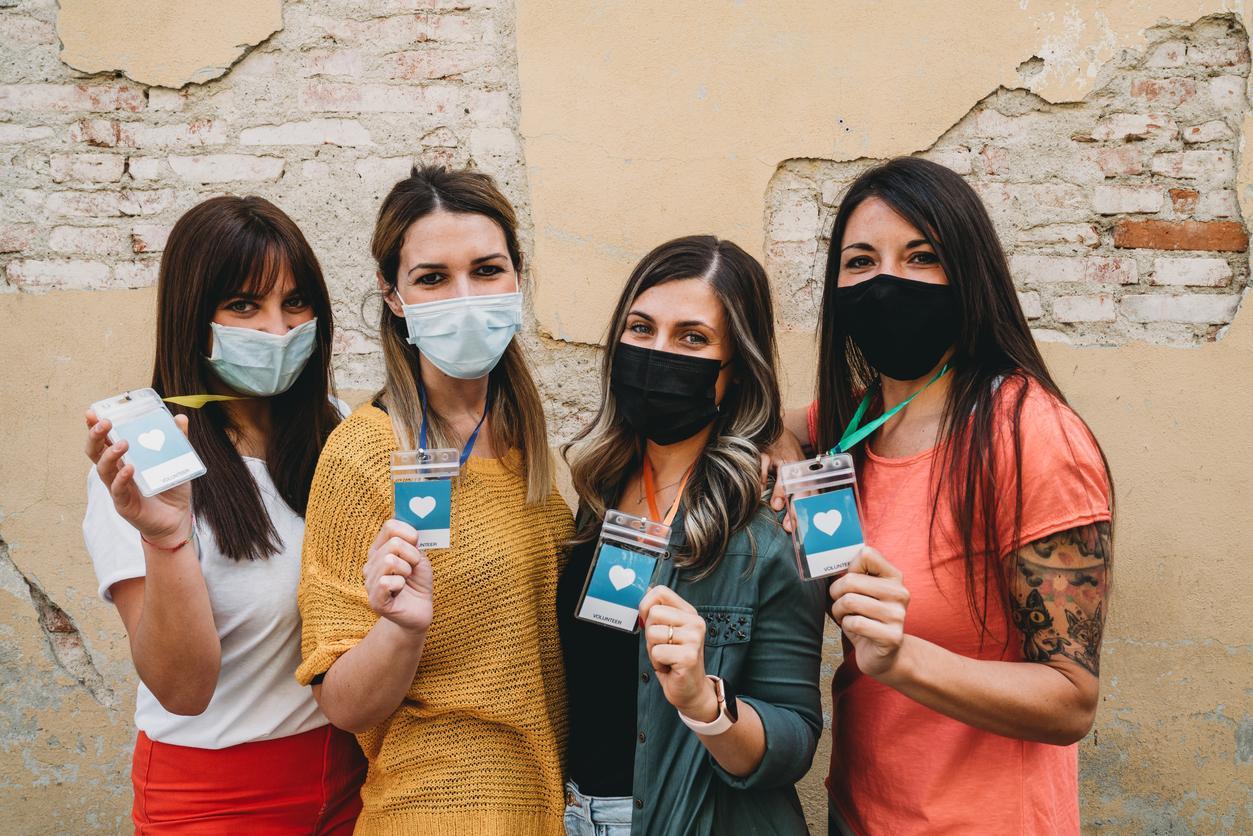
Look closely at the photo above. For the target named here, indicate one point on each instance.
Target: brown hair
(724, 492)
(517, 414)
(218, 248)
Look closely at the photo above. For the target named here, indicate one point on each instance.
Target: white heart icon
(153, 439)
(422, 505)
(621, 577)
(828, 521)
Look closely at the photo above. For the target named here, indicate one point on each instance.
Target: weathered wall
(641, 121)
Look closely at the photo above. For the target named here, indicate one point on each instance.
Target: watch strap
(719, 724)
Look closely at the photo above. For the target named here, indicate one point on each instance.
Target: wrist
(704, 708)
(406, 639)
(904, 666)
(171, 540)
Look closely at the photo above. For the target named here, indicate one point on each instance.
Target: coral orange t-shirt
(898, 767)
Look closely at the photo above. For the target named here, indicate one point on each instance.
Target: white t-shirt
(254, 607)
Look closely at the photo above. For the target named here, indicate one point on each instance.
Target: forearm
(739, 749)
(1024, 700)
(367, 684)
(175, 643)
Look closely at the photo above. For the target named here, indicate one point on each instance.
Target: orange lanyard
(651, 493)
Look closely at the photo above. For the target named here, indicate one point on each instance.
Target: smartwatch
(728, 711)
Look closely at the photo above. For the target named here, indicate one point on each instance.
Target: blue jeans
(590, 816)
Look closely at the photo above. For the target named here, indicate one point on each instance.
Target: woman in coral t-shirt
(972, 621)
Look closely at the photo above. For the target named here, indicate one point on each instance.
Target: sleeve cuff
(790, 746)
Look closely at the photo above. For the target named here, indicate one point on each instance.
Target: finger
(97, 435)
(402, 549)
(870, 562)
(391, 583)
(764, 473)
(660, 634)
(122, 488)
(666, 596)
(671, 656)
(181, 421)
(394, 565)
(887, 612)
(667, 615)
(885, 589)
(778, 499)
(394, 528)
(110, 461)
(871, 630)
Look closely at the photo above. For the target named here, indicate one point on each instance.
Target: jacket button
(643, 737)
(639, 804)
(643, 677)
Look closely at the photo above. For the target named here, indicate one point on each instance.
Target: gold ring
(670, 637)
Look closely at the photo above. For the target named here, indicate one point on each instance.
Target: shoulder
(764, 542)
(1048, 430)
(360, 440)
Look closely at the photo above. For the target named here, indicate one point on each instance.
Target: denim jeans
(590, 816)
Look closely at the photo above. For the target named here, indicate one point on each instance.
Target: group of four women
(971, 622)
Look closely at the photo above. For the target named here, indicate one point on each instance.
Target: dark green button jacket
(764, 636)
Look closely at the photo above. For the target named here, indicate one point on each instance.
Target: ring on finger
(670, 635)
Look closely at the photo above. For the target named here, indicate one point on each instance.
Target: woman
(972, 621)
(446, 664)
(227, 740)
(731, 638)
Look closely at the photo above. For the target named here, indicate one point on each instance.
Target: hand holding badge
(627, 556)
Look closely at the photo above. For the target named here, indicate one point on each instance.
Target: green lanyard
(856, 432)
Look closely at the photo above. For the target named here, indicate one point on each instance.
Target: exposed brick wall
(322, 118)
(1118, 213)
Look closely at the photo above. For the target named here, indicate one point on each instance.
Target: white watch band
(719, 724)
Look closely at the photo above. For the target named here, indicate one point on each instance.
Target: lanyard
(197, 401)
(465, 454)
(856, 432)
(651, 493)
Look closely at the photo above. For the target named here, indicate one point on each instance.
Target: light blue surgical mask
(257, 363)
(465, 337)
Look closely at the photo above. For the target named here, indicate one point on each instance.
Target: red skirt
(305, 783)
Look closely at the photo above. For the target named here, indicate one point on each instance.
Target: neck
(453, 397)
(895, 391)
(251, 419)
(670, 461)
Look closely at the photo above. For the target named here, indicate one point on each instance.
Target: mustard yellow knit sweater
(477, 745)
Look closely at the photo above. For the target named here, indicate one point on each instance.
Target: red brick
(103, 133)
(1214, 236)
(1183, 201)
(71, 97)
(1166, 92)
(1119, 160)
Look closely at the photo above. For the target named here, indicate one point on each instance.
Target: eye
(858, 261)
(295, 303)
(429, 279)
(1037, 617)
(924, 258)
(694, 338)
(490, 270)
(641, 328)
(240, 306)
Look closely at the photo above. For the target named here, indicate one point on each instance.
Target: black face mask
(665, 397)
(903, 327)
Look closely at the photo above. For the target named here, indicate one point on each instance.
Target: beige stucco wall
(613, 126)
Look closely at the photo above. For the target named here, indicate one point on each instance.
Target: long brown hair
(994, 344)
(218, 248)
(724, 491)
(517, 413)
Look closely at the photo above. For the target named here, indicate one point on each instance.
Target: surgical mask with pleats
(257, 363)
(465, 337)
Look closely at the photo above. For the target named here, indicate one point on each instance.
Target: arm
(1058, 593)
(168, 618)
(367, 684)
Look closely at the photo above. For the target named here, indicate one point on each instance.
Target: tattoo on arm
(1059, 589)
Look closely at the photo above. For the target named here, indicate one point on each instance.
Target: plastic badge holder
(627, 556)
(160, 453)
(422, 484)
(822, 503)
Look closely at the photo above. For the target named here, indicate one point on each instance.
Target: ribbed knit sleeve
(349, 501)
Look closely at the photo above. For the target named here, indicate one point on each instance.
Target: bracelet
(191, 536)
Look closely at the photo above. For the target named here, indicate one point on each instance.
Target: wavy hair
(724, 490)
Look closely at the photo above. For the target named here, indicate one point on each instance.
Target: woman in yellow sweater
(446, 662)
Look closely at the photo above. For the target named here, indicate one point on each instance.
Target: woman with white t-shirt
(204, 575)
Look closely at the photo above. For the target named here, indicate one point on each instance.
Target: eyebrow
(687, 323)
(430, 265)
(862, 245)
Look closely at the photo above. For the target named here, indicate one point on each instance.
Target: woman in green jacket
(702, 721)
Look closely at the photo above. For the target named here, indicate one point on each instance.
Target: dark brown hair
(724, 491)
(517, 416)
(217, 249)
(993, 344)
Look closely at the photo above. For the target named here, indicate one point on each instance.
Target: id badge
(822, 503)
(627, 556)
(162, 456)
(422, 483)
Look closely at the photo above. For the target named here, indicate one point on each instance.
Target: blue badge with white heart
(829, 530)
(427, 506)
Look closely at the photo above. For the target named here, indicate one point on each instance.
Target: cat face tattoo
(1040, 640)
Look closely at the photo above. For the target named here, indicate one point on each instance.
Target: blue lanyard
(856, 432)
(465, 454)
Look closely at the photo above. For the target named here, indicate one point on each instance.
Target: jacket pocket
(728, 633)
